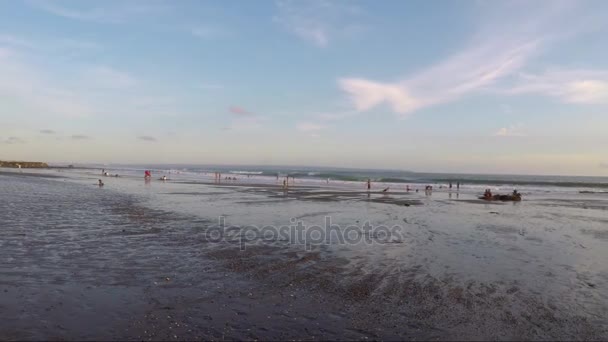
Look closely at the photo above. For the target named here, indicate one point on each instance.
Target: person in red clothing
(147, 174)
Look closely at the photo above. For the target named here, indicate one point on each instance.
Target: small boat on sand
(504, 198)
(487, 196)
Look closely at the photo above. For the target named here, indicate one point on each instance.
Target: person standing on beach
(450, 184)
(457, 185)
(369, 184)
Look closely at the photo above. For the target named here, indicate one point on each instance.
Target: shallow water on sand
(137, 260)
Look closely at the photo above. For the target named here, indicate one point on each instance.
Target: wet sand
(133, 261)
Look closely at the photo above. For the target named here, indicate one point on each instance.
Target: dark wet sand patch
(596, 233)
(396, 201)
(499, 229)
(388, 304)
(479, 201)
(210, 193)
(599, 204)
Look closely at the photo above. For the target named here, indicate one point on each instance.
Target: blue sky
(448, 86)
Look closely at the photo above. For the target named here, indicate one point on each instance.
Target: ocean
(387, 178)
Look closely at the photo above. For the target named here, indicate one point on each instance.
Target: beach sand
(143, 261)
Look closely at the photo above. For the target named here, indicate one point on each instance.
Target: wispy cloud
(109, 78)
(80, 137)
(501, 49)
(151, 103)
(244, 123)
(79, 91)
(47, 131)
(516, 130)
(13, 140)
(69, 44)
(12, 40)
(46, 44)
(110, 12)
(570, 86)
(243, 119)
(309, 127)
(147, 138)
(25, 82)
(478, 66)
(236, 110)
(317, 21)
(336, 116)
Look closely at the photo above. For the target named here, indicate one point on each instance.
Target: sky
(438, 86)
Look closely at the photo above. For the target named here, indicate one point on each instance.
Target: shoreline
(23, 164)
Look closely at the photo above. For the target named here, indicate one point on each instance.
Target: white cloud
(506, 40)
(511, 131)
(366, 94)
(317, 21)
(569, 86)
(478, 66)
(316, 35)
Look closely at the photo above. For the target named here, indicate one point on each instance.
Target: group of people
(457, 185)
(427, 188)
(147, 176)
(515, 196)
(487, 194)
(217, 176)
(286, 181)
(107, 174)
